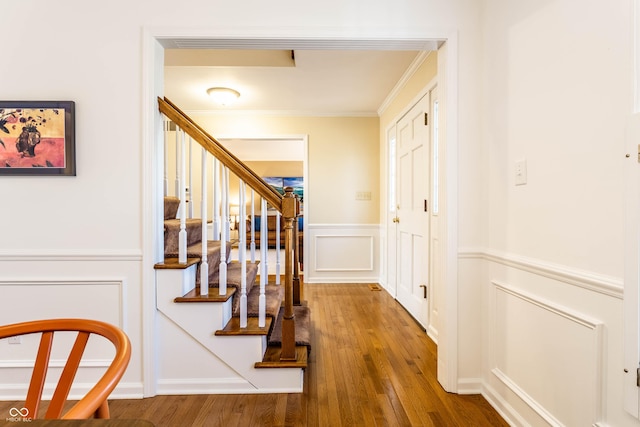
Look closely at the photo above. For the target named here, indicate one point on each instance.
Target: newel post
(290, 209)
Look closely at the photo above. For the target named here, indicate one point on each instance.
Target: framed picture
(279, 183)
(37, 138)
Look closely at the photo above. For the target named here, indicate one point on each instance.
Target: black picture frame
(37, 138)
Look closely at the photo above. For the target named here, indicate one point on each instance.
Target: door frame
(308, 199)
(154, 40)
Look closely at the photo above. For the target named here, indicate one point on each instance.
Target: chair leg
(103, 411)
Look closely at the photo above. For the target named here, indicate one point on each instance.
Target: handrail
(213, 146)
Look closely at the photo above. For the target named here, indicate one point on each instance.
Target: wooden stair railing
(288, 205)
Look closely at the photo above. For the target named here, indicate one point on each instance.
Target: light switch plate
(521, 172)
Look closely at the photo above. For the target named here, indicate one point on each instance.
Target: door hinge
(426, 206)
(426, 120)
(638, 377)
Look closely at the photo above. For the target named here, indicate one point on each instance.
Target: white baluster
(223, 241)
(182, 236)
(177, 180)
(264, 242)
(204, 265)
(216, 199)
(225, 206)
(166, 157)
(277, 248)
(252, 228)
(262, 302)
(190, 185)
(242, 254)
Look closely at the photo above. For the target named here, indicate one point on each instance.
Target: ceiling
(300, 82)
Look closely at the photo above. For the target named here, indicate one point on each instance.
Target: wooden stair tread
(172, 263)
(233, 327)
(271, 358)
(212, 296)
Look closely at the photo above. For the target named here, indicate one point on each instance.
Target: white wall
(556, 91)
(57, 229)
(548, 81)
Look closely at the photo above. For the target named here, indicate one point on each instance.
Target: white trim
(108, 256)
(265, 38)
(371, 239)
(342, 38)
(503, 407)
(532, 403)
(344, 226)
(54, 363)
(631, 302)
(448, 330)
(610, 286)
(214, 386)
(124, 390)
(470, 386)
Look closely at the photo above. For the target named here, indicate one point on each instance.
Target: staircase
(249, 326)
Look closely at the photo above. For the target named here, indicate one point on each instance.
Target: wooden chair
(94, 403)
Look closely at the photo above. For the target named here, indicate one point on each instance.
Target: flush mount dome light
(223, 95)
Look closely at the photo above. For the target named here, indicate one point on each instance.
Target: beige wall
(425, 73)
(343, 159)
(265, 169)
(284, 168)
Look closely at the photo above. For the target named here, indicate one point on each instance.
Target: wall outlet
(15, 340)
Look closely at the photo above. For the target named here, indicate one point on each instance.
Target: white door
(391, 213)
(413, 222)
(436, 277)
(632, 268)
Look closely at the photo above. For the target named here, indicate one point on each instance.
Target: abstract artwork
(37, 138)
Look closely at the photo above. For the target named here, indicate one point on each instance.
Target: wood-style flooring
(370, 365)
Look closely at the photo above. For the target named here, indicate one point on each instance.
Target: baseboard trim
(124, 390)
(503, 407)
(606, 285)
(216, 386)
(470, 386)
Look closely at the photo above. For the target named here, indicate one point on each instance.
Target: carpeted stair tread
(273, 294)
(171, 205)
(213, 257)
(234, 276)
(303, 325)
(172, 231)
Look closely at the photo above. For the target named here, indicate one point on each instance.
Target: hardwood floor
(370, 365)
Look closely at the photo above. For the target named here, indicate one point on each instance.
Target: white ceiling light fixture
(223, 95)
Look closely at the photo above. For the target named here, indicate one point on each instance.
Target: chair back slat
(94, 403)
(39, 375)
(66, 378)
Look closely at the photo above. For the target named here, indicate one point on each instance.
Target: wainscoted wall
(346, 253)
(552, 340)
(96, 286)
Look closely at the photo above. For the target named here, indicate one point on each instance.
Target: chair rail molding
(606, 285)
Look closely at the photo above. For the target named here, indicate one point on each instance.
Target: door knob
(396, 220)
(424, 290)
